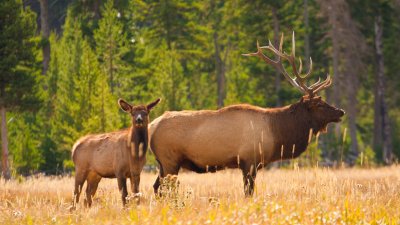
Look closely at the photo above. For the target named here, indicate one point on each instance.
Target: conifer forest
(65, 63)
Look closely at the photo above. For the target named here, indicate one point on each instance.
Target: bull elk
(120, 154)
(243, 136)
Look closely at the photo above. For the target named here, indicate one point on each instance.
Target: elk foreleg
(135, 181)
(123, 189)
(249, 176)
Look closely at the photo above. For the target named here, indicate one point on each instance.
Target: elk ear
(151, 105)
(124, 105)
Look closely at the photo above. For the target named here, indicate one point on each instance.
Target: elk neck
(137, 138)
(290, 127)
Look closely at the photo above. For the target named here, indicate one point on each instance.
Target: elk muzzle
(139, 120)
(340, 113)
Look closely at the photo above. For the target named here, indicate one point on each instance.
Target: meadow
(282, 196)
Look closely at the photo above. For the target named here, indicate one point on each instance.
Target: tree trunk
(306, 37)
(382, 129)
(111, 65)
(96, 9)
(4, 144)
(44, 23)
(352, 115)
(220, 69)
(336, 73)
(276, 25)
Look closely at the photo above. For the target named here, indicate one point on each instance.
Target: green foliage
(27, 156)
(142, 50)
(168, 81)
(17, 62)
(81, 101)
(19, 78)
(111, 43)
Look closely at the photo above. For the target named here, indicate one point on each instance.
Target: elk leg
(135, 180)
(249, 177)
(95, 185)
(123, 189)
(80, 177)
(157, 183)
(164, 171)
(93, 180)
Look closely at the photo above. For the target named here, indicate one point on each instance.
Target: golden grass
(303, 196)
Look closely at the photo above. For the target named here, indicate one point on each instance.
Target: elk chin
(320, 127)
(324, 129)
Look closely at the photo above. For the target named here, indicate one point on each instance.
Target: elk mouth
(339, 116)
(139, 125)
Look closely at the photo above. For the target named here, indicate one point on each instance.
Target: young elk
(120, 154)
(242, 136)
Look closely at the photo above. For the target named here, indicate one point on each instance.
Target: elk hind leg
(249, 172)
(93, 180)
(157, 183)
(164, 171)
(80, 177)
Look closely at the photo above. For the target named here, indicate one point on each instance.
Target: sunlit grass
(304, 196)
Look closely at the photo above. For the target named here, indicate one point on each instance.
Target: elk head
(139, 114)
(319, 112)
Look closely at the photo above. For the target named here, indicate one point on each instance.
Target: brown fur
(120, 154)
(240, 136)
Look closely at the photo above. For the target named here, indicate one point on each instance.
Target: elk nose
(139, 119)
(342, 112)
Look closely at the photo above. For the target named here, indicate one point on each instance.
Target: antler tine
(310, 68)
(317, 83)
(261, 55)
(299, 80)
(326, 83)
(277, 64)
(292, 61)
(293, 46)
(301, 65)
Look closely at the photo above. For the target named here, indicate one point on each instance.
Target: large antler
(300, 79)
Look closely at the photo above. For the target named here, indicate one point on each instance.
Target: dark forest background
(64, 64)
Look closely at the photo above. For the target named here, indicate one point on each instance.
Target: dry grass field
(302, 196)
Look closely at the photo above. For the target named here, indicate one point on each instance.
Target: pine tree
(111, 45)
(18, 89)
(168, 81)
